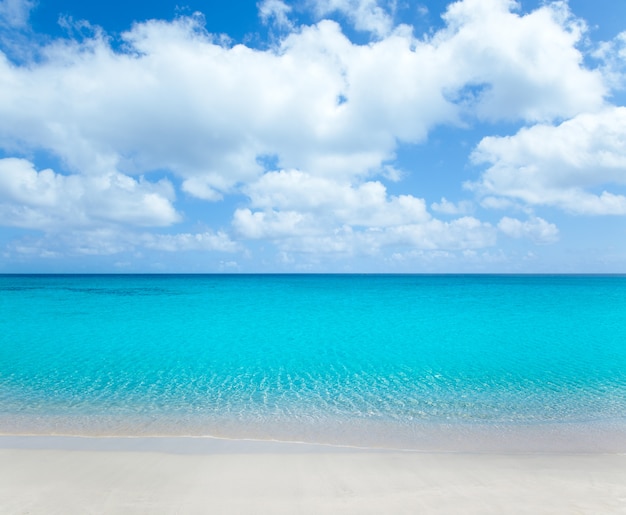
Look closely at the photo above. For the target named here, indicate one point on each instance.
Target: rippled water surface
(356, 359)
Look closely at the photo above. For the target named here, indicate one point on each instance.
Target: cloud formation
(15, 13)
(570, 165)
(537, 229)
(365, 15)
(176, 98)
(303, 132)
(276, 11)
(50, 201)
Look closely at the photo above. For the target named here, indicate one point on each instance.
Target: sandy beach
(201, 475)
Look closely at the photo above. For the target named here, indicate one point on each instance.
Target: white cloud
(271, 224)
(365, 15)
(15, 13)
(443, 260)
(180, 100)
(47, 200)
(327, 213)
(309, 214)
(511, 66)
(199, 187)
(345, 240)
(463, 233)
(207, 241)
(537, 229)
(276, 10)
(364, 205)
(75, 242)
(498, 203)
(560, 165)
(326, 112)
(612, 54)
(450, 208)
(107, 241)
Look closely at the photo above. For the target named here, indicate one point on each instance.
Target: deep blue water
(371, 359)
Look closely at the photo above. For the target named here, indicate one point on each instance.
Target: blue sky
(313, 136)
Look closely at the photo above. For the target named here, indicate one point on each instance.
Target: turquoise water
(413, 361)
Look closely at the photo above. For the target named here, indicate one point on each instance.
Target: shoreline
(201, 445)
(197, 445)
(601, 436)
(56, 474)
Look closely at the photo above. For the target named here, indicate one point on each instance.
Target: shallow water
(404, 361)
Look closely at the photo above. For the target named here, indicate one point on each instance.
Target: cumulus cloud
(290, 236)
(463, 233)
(176, 98)
(307, 129)
(562, 165)
(537, 229)
(450, 208)
(366, 204)
(272, 224)
(294, 203)
(511, 66)
(47, 200)
(302, 213)
(208, 240)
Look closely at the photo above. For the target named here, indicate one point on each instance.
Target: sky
(341, 136)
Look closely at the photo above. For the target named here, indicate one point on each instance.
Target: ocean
(448, 362)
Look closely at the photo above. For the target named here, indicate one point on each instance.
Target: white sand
(67, 476)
